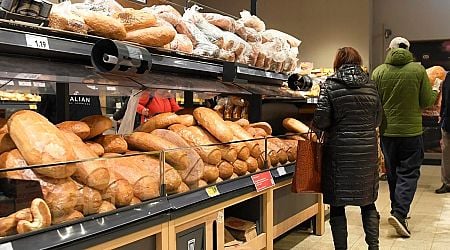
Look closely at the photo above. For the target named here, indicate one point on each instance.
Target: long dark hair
(346, 55)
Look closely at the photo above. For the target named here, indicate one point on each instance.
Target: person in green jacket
(404, 90)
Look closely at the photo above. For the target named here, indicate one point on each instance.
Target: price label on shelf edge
(263, 181)
(281, 171)
(6, 246)
(212, 191)
(37, 42)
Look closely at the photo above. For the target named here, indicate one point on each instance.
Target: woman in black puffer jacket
(349, 111)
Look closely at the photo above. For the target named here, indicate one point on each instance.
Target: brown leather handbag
(308, 170)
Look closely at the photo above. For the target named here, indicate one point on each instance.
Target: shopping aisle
(429, 223)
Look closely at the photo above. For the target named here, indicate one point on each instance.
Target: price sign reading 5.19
(38, 42)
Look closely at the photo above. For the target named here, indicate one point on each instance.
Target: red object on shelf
(263, 181)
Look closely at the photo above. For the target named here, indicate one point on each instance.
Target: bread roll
(71, 216)
(89, 200)
(282, 145)
(263, 125)
(135, 201)
(104, 26)
(40, 142)
(196, 166)
(148, 142)
(3, 126)
(135, 19)
(187, 120)
(152, 36)
(92, 173)
(292, 151)
(252, 164)
(212, 122)
(182, 43)
(96, 148)
(211, 173)
(261, 163)
(198, 138)
(241, 134)
(182, 188)
(8, 226)
(41, 217)
(163, 120)
(229, 152)
(242, 122)
(297, 126)
(81, 129)
(113, 143)
(240, 167)
(225, 170)
(106, 207)
(202, 183)
(176, 127)
(281, 155)
(119, 190)
(6, 143)
(242, 149)
(97, 124)
(23, 214)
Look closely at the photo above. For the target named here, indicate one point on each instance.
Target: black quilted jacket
(349, 111)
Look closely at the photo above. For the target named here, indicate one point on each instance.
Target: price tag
(25, 84)
(263, 181)
(108, 88)
(39, 84)
(212, 191)
(37, 42)
(32, 106)
(6, 246)
(281, 171)
(7, 82)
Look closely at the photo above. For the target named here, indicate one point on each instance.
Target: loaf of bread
(270, 35)
(211, 173)
(182, 188)
(106, 207)
(212, 122)
(297, 126)
(23, 214)
(176, 127)
(79, 128)
(182, 43)
(285, 147)
(229, 152)
(97, 124)
(252, 164)
(195, 168)
(41, 217)
(263, 125)
(163, 120)
(243, 122)
(197, 137)
(8, 225)
(261, 162)
(96, 148)
(3, 126)
(240, 167)
(104, 26)
(92, 173)
(281, 155)
(221, 21)
(70, 216)
(40, 142)
(89, 200)
(241, 134)
(225, 170)
(6, 143)
(119, 190)
(135, 19)
(113, 143)
(152, 36)
(63, 19)
(148, 142)
(187, 120)
(135, 201)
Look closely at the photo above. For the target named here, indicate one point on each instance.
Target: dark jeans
(340, 211)
(403, 157)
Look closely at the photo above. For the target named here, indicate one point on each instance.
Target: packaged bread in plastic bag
(247, 33)
(165, 12)
(252, 21)
(212, 33)
(202, 46)
(106, 7)
(270, 35)
(62, 17)
(224, 22)
(232, 42)
(135, 19)
(182, 43)
(226, 55)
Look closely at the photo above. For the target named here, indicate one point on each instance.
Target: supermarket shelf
(17, 105)
(95, 227)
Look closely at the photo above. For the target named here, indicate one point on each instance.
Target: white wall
(413, 19)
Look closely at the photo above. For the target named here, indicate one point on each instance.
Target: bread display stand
(157, 223)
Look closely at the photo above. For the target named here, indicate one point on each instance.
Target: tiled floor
(429, 223)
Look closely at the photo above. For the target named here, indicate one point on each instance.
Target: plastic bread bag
(206, 49)
(224, 22)
(106, 7)
(166, 13)
(252, 21)
(202, 46)
(248, 34)
(226, 55)
(182, 43)
(127, 124)
(62, 17)
(212, 33)
(233, 43)
(270, 35)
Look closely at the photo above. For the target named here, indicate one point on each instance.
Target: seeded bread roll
(212, 122)
(98, 124)
(79, 128)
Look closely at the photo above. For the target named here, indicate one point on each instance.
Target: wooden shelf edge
(255, 244)
(295, 220)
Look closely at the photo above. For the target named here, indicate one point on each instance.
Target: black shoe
(444, 189)
(400, 225)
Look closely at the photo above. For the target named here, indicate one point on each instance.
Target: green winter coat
(404, 91)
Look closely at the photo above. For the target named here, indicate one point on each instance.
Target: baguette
(135, 19)
(97, 124)
(196, 166)
(229, 152)
(104, 26)
(89, 200)
(81, 129)
(152, 36)
(182, 188)
(96, 148)
(40, 142)
(6, 143)
(163, 120)
(263, 125)
(212, 122)
(297, 126)
(148, 142)
(252, 164)
(241, 134)
(210, 174)
(91, 173)
(113, 143)
(197, 137)
(240, 167)
(3, 126)
(119, 190)
(41, 217)
(176, 127)
(71, 216)
(106, 207)
(225, 170)
(187, 120)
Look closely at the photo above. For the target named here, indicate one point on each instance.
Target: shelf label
(39, 84)
(108, 88)
(263, 181)
(7, 82)
(281, 171)
(32, 106)
(6, 246)
(312, 100)
(37, 42)
(212, 191)
(24, 84)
